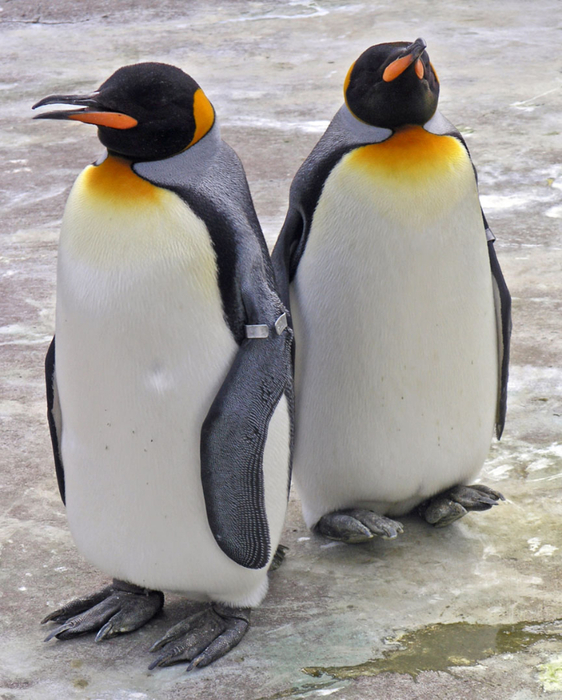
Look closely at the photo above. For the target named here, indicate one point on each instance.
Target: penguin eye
(419, 69)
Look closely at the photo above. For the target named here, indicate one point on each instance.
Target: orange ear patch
(434, 72)
(115, 120)
(204, 115)
(396, 68)
(419, 69)
(348, 78)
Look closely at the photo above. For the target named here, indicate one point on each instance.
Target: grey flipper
(502, 303)
(344, 133)
(211, 180)
(234, 435)
(438, 124)
(54, 415)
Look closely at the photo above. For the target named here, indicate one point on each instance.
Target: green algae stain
(550, 674)
(443, 646)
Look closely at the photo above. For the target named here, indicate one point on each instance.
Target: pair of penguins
(170, 386)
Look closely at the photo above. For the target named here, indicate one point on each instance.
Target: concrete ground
(473, 611)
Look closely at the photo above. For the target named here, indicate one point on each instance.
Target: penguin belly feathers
(400, 311)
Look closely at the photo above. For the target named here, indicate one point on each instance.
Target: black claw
(116, 609)
(202, 638)
(492, 493)
(236, 629)
(377, 524)
(442, 511)
(450, 505)
(357, 525)
(343, 528)
(178, 631)
(77, 606)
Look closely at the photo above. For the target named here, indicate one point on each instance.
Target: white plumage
(142, 348)
(396, 353)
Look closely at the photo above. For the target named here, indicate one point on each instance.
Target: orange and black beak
(411, 54)
(93, 112)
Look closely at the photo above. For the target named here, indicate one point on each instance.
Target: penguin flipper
(502, 303)
(344, 133)
(54, 415)
(502, 299)
(233, 439)
(284, 257)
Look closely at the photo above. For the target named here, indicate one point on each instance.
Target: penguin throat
(114, 180)
(413, 152)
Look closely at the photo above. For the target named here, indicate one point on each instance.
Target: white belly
(396, 357)
(142, 348)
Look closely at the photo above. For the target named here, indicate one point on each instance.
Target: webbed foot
(357, 525)
(203, 637)
(116, 609)
(448, 506)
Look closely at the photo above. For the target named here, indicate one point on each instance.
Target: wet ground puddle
(441, 647)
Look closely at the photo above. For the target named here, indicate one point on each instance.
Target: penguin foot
(357, 525)
(278, 557)
(450, 505)
(203, 637)
(116, 609)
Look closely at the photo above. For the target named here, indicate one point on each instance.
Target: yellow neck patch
(114, 181)
(204, 115)
(346, 85)
(411, 153)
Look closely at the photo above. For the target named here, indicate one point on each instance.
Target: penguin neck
(113, 177)
(440, 126)
(367, 133)
(201, 147)
(192, 162)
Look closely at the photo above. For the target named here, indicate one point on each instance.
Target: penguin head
(393, 84)
(147, 111)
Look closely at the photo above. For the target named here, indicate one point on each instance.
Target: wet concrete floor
(473, 611)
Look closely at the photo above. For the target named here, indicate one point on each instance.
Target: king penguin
(400, 310)
(169, 387)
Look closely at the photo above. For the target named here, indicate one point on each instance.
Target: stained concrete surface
(345, 622)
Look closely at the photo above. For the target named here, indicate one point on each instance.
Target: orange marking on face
(115, 120)
(204, 115)
(348, 78)
(411, 153)
(419, 69)
(114, 181)
(347, 81)
(396, 68)
(434, 71)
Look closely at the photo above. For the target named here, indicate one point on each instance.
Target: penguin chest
(396, 360)
(142, 349)
(137, 291)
